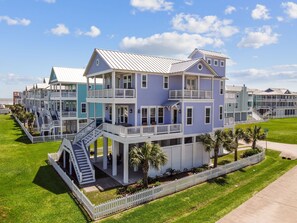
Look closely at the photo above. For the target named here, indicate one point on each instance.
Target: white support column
(105, 152)
(70, 166)
(183, 85)
(136, 110)
(126, 163)
(113, 83)
(198, 86)
(115, 145)
(95, 151)
(212, 87)
(194, 151)
(64, 159)
(61, 122)
(113, 113)
(87, 105)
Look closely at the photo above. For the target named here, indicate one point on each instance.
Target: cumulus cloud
(13, 78)
(189, 2)
(260, 12)
(279, 18)
(15, 21)
(290, 8)
(94, 32)
(167, 44)
(209, 25)
(229, 10)
(152, 5)
(60, 30)
(258, 38)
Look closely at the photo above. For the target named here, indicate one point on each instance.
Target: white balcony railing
(63, 94)
(67, 114)
(190, 94)
(136, 131)
(108, 93)
(229, 121)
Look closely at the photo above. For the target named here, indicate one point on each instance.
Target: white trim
(157, 114)
(199, 65)
(146, 81)
(221, 106)
(192, 117)
(206, 107)
(222, 61)
(164, 76)
(215, 61)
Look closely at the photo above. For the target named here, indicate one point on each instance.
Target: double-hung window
(83, 108)
(165, 82)
(207, 115)
(160, 115)
(221, 112)
(221, 87)
(144, 81)
(189, 116)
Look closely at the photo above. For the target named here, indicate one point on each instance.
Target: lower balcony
(136, 131)
(190, 94)
(67, 114)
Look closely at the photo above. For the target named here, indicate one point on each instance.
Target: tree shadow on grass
(48, 179)
(224, 162)
(222, 180)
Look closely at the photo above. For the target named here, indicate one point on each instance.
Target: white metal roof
(209, 53)
(69, 75)
(41, 85)
(136, 62)
(182, 66)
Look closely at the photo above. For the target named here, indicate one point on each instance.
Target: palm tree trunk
(235, 155)
(216, 154)
(145, 175)
(254, 144)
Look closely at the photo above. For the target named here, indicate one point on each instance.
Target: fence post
(175, 184)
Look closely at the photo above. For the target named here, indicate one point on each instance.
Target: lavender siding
(205, 84)
(198, 125)
(102, 65)
(218, 69)
(175, 82)
(197, 55)
(218, 101)
(194, 69)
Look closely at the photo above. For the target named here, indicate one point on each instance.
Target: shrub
(250, 152)
(157, 183)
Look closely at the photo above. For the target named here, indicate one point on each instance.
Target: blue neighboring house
(149, 99)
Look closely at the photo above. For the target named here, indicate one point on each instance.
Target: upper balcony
(118, 94)
(63, 95)
(190, 94)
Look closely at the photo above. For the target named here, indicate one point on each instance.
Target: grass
(30, 190)
(210, 201)
(97, 197)
(222, 160)
(282, 130)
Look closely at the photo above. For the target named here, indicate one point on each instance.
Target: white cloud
(12, 79)
(290, 9)
(258, 38)
(279, 18)
(49, 1)
(94, 32)
(168, 44)
(231, 63)
(260, 12)
(15, 21)
(152, 5)
(60, 30)
(209, 25)
(189, 2)
(229, 10)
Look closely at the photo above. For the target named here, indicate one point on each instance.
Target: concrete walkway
(274, 204)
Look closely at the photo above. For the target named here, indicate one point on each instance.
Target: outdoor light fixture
(106, 108)
(131, 110)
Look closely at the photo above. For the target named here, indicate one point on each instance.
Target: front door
(191, 83)
(122, 114)
(174, 116)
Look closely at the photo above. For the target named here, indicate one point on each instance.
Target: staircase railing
(84, 131)
(93, 132)
(88, 159)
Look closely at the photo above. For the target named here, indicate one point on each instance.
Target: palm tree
(214, 143)
(234, 137)
(147, 155)
(253, 135)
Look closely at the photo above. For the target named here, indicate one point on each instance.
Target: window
(209, 61)
(207, 115)
(160, 115)
(165, 82)
(152, 116)
(83, 108)
(221, 87)
(97, 62)
(221, 112)
(189, 116)
(127, 81)
(216, 62)
(144, 81)
(110, 113)
(200, 66)
(222, 64)
(144, 116)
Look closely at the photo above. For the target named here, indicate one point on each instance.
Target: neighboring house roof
(275, 91)
(41, 86)
(209, 53)
(29, 87)
(46, 80)
(233, 88)
(68, 75)
(136, 62)
(182, 66)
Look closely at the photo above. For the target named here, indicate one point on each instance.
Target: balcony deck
(106, 95)
(190, 94)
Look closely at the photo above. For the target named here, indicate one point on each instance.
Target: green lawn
(210, 201)
(229, 157)
(282, 130)
(30, 190)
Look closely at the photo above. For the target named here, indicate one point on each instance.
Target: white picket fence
(119, 204)
(36, 139)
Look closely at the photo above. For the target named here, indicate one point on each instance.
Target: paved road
(277, 203)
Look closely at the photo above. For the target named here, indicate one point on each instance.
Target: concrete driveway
(274, 204)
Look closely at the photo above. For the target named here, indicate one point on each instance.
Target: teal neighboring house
(68, 111)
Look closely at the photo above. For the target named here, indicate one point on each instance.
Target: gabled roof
(41, 86)
(67, 75)
(29, 87)
(209, 53)
(45, 80)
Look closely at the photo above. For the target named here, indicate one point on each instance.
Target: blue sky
(258, 36)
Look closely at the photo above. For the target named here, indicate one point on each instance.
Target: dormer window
(222, 64)
(216, 62)
(97, 62)
(209, 61)
(200, 66)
